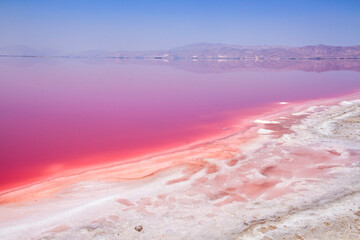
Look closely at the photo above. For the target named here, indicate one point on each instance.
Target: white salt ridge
(345, 103)
(265, 121)
(264, 131)
(305, 112)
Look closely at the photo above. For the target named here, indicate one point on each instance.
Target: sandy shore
(293, 174)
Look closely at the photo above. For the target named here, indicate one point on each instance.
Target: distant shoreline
(184, 58)
(212, 64)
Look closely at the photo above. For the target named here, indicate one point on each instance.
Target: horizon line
(178, 47)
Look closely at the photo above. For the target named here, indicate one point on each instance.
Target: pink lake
(67, 114)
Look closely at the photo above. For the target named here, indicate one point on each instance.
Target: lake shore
(292, 174)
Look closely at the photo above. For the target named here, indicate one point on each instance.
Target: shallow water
(67, 113)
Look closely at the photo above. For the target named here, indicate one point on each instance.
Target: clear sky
(79, 25)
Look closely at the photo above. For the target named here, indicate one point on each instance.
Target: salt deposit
(293, 175)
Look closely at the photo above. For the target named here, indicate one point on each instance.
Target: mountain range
(204, 51)
(206, 57)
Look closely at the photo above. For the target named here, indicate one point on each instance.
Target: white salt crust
(297, 177)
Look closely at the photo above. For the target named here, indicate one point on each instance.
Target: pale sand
(294, 174)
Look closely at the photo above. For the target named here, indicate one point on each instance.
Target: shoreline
(237, 125)
(232, 187)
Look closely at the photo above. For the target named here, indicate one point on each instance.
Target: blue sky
(77, 25)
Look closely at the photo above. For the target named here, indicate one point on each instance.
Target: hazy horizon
(76, 26)
(54, 51)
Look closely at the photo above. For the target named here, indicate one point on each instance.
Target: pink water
(57, 116)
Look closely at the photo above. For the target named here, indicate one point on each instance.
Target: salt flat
(291, 174)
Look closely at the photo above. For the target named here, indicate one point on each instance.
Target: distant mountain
(20, 50)
(207, 57)
(92, 53)
(206, 51)
(223, 51)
